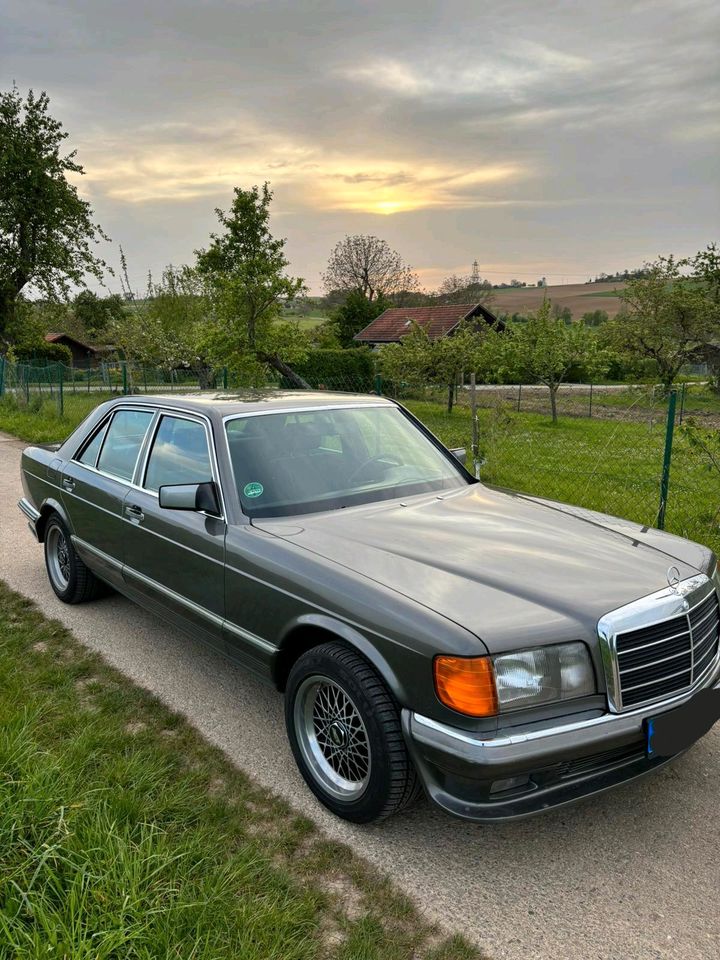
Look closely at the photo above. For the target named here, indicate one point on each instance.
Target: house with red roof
(437, 321)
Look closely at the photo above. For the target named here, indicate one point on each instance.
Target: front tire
(70, 579)
(345, 734)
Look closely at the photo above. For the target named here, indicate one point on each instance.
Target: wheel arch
(312, 630)
(48, 508)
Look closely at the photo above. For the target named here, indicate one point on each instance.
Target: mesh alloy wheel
(344, 729)
(58, 558)
(332, 737)
(70, 579)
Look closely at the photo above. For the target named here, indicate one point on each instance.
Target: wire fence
(625, 451)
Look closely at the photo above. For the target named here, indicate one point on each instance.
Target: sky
(555, 139)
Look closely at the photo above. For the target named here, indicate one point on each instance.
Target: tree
(543, 350)
(95, 314)
(667, 317)
(244, 270)
(562, 313)
(46, 229)
(456, 289)
(168, 328)
(594, 318)
(419, 359)
(354, 315)
(369, 266)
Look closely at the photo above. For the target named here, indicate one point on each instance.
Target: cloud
(566, 133)
(178, 162)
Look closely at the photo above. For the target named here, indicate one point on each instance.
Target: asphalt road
(632, 874)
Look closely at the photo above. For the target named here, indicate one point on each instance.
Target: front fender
(352, 636)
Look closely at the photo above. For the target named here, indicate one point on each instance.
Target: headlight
(486, 686)
(543, 675)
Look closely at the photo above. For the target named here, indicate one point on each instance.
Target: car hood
(501, 565)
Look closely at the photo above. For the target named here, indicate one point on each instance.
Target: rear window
(90, 452)
(123, 441)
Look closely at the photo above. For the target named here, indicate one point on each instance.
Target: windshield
(302, 462)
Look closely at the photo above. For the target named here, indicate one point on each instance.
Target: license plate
(675, 730)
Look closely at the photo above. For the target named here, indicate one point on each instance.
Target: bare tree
(369, 266)
(455, 289)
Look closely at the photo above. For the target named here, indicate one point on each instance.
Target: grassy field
(124, 836)
(613, 465)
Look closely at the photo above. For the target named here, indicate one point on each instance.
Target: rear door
(174, 559)
(94, 485)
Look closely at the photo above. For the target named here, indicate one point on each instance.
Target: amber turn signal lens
(466, 684)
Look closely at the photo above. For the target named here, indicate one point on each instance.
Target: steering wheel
(366, 463)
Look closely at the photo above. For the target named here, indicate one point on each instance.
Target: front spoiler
(564, 763)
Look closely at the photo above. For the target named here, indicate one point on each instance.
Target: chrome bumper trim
(427, 730)
(29, 510)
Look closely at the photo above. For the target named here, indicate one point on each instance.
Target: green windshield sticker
(253, 489)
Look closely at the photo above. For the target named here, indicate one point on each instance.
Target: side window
(123, 441)
(179, 454)
(90, 452)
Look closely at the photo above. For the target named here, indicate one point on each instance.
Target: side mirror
(460, 453)
(190, 496)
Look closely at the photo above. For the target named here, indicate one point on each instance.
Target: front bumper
(473, 778)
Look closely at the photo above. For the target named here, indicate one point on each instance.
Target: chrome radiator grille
(659, 659)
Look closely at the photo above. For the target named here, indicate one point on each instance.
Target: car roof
(229, 403)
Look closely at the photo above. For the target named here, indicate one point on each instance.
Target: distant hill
(579, 297)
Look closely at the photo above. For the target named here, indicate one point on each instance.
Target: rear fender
(50, 506)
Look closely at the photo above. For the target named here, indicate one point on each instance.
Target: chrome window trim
(656, 608)
(312, 409)
(102, 425)
(158, 410)
(113, 413)
(142, 465)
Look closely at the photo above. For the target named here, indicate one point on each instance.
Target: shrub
(352, 369)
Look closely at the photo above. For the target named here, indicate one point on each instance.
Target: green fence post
(519, 397)
(124, 377)
(2, 375)
(61, 394)
(224, 378)
(591, 398)
(667, 458)
(378, 384)
(682, 402)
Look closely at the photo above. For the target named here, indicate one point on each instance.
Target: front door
(94, 486)
(174, 559)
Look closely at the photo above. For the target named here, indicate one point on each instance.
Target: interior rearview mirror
(190, 496)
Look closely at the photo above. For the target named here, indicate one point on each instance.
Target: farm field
(579, 297)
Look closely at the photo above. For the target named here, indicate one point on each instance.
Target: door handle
(134, 512)
(68, 483)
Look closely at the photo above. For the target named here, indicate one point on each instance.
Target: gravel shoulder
(631, 874)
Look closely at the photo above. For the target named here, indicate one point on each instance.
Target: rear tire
(70, 579)
(344, 730)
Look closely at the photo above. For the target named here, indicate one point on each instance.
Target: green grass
(40, 421)
(124, 836)
(613, 466)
